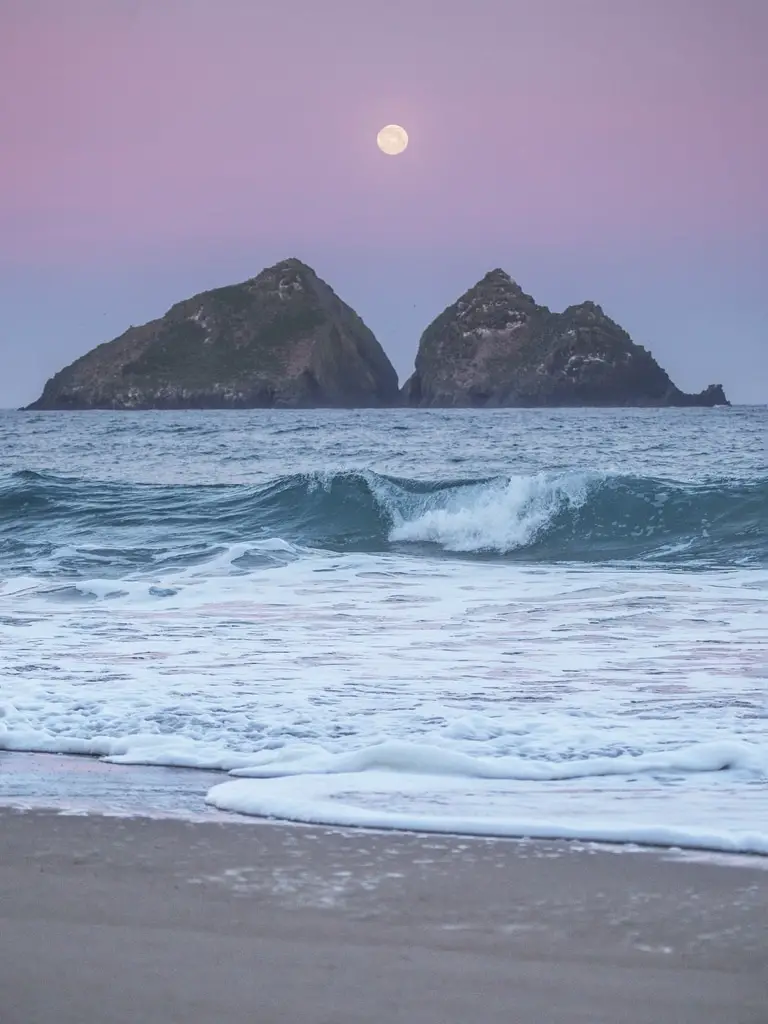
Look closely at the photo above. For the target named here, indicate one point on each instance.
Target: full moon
(392, 139)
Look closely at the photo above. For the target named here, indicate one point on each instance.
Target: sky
(594, 149)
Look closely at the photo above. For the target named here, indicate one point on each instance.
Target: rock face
(283, 338)
(496, 347)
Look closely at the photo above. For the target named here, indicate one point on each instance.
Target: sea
(528, 623)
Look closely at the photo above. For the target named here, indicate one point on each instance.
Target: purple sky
(606, 149)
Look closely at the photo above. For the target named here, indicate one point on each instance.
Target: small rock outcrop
(496, 347)
(283, 338)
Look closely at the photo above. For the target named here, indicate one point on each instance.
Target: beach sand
(121, 920)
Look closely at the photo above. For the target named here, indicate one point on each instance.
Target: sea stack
(281, 339)
(495, 346)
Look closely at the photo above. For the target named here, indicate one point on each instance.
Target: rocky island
(283, 338)
(496, 347)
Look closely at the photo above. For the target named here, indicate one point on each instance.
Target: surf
(567, 515)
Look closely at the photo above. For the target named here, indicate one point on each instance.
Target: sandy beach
(114, 920)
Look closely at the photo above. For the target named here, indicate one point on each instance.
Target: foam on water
(347, 665)
(437, 804)
(499, 516)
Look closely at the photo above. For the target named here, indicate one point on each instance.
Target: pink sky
(132, 127)
(170, 120)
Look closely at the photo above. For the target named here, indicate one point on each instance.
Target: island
(284, 339)
(281, 339)
(496, 347)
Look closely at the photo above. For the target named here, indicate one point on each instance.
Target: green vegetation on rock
(496, 347)
(282, 338)
(285, 339)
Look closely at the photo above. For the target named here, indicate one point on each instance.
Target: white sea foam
(496, 516)
(421, 759)
(694, 819)
(599, 702)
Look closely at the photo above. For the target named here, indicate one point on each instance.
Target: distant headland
(284, 339)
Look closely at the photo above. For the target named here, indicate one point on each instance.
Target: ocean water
(510, 622)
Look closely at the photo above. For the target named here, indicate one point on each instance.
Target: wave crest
(559, 516)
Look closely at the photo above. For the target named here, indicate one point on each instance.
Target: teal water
(447, 597)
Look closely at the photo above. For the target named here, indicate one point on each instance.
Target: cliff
(496, 347)
(283, 338)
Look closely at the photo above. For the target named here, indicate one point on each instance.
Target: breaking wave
(559, 516)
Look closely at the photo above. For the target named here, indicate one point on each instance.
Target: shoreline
(85, 785)
(130, 899)
(119, 919)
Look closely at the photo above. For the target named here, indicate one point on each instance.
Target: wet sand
(115, 920)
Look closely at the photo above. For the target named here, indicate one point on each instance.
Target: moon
(392, 139)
